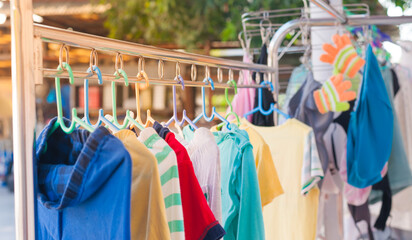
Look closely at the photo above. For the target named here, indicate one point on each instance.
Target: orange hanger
(142, 75)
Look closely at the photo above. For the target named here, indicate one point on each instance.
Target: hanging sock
(343, 57)
(383, 185)
(333, 95)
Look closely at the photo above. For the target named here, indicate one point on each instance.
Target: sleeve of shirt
(269, 183)
(312, 171)
(250, 222)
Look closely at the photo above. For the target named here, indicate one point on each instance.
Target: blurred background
(207, 27)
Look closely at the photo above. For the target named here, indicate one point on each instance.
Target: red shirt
(199, 221)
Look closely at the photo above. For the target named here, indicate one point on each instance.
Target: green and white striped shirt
(169, 177)
(312, 171)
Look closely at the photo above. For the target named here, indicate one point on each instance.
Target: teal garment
(241, 205)
(399, 173)
(370, 130)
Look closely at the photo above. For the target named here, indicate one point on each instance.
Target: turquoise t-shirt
(241, 205)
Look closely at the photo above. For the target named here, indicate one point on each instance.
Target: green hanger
(231, 83)
(75, 118)
(231, 112)
(128, 118)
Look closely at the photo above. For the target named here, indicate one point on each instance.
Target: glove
(344, 58)
(333, 96)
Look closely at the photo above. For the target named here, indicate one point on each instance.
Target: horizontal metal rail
(51, 73)
(83, 40)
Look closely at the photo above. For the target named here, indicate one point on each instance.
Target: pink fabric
(356, 196)
(353, 195)
(245, 97)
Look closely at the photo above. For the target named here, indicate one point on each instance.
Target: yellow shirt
(269, 183)
(148, 211)
(292, 215)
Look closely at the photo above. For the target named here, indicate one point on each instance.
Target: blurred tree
(191, 23)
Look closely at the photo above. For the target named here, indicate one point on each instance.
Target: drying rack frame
(27, 62)
(276, 41)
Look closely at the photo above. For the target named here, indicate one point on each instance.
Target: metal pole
(24, 116)
(52, 73)
(77, 39)
(331, 10)
(276, 41)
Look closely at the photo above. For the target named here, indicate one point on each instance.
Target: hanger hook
(207, 72)
(160, 69)
(233, 84)
(269, 84)
(209, 80)
(119, 60)
(64, 65)
(193, 72)
(119, 71)
(231, 81)
(180, 81)
(63, 47)
(177, 69)
(141, 64)
(93, 58)
(141, 72)
(265, 32)
(219, 75)
(231, 75)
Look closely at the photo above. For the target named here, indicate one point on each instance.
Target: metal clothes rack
(27, 71)
(276, 41)
(272, 20)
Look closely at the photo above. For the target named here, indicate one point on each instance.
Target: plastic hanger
(231, 83)
(128, 118)
(75, 119)
(95, 69)
(208, 80)
(175, 119)
(142, 75)
(101, 118)
(231, 112)
(272, 107)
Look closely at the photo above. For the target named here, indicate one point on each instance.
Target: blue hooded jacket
(370, 131)
(84, 182)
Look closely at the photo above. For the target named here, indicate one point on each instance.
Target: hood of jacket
(66, 164)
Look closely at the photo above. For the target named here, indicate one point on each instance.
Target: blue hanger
(208, 80)
(272, 107)
(102, 118)
(179, 79)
